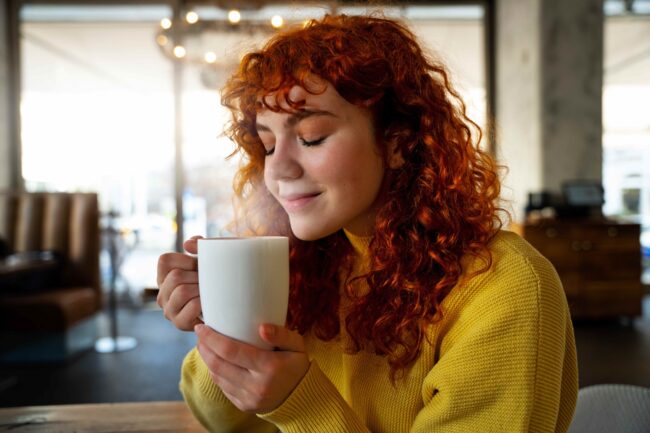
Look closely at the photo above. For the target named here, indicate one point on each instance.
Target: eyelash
(312, 142)
(302, 141)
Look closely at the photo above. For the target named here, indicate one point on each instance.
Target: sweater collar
(360, 244)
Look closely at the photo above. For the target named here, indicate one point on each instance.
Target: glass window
(97, 115)
(626, 117)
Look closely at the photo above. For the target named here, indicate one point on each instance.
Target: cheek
(371, 179)
(268, 182)
(363, 168)
(359, 179)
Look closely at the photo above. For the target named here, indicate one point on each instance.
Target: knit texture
(502, 359)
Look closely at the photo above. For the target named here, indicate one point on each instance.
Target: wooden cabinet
(599, 263)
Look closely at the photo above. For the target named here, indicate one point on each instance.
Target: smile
(296, 202)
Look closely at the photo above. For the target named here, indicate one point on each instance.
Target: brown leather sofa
(57, 319)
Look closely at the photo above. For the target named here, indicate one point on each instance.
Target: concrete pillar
(5, 122)
(549, 90)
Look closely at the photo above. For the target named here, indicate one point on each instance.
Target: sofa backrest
(67, 223)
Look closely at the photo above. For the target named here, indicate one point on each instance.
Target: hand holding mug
(254, 379)
(178, 283)
(244, 286)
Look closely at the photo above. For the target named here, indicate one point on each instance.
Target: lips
(295, 202)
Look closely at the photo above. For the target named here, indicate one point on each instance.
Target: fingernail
(270, 330)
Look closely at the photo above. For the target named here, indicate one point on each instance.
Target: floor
(148, 372)
(608, 352)
(615, 351)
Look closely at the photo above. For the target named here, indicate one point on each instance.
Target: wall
(518, 110)
(572, 88)
(549, 92)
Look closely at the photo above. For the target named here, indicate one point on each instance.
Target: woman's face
(322, 165)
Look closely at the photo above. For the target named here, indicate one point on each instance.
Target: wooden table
(160, 416)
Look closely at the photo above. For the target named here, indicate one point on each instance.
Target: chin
(311, 232)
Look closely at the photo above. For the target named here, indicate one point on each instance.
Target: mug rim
(242, 238)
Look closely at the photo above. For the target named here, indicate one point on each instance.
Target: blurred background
(120, 99)
(100, 108)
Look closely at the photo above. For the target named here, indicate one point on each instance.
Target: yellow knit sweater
(503, 359)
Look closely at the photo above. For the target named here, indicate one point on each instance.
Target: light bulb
(277, 21)
(234, 16)
(166, 23)
(210, 57)
(191, 17)
(179, 51)
(162, 40)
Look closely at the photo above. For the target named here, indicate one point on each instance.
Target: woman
(410, 310)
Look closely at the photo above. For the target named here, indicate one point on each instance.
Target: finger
(220, 367)
(282, 338)
(235, 352)
(180, 296)
(230, 391)
(188, 317)
(169, 261)
(175, 278)
(191, 244)
(231, 378)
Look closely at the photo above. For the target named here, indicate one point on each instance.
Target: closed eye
(312, 142)
(307, 143)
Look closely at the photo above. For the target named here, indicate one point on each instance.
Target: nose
(284, 163)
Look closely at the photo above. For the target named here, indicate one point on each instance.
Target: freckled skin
(344, 171)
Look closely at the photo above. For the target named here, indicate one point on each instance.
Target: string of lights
(173, 36)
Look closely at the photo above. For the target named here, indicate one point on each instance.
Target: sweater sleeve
(315, 405)
(508, 363)
(210, 406)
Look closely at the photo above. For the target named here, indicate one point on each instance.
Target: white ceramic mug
(244, 282)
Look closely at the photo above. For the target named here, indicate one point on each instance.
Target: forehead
(324, 97)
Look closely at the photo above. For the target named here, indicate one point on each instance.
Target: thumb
(282, 338)
(191, 245)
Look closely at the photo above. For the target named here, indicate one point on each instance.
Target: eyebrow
(297, 117)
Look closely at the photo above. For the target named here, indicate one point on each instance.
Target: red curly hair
(439, 206)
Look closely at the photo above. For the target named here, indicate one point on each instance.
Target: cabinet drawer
(599, 265)
(606, 238)
(556, 248)
(605, 231)
(612, 290)
(581, 308)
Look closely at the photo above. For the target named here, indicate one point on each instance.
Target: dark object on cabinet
(598, 261)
